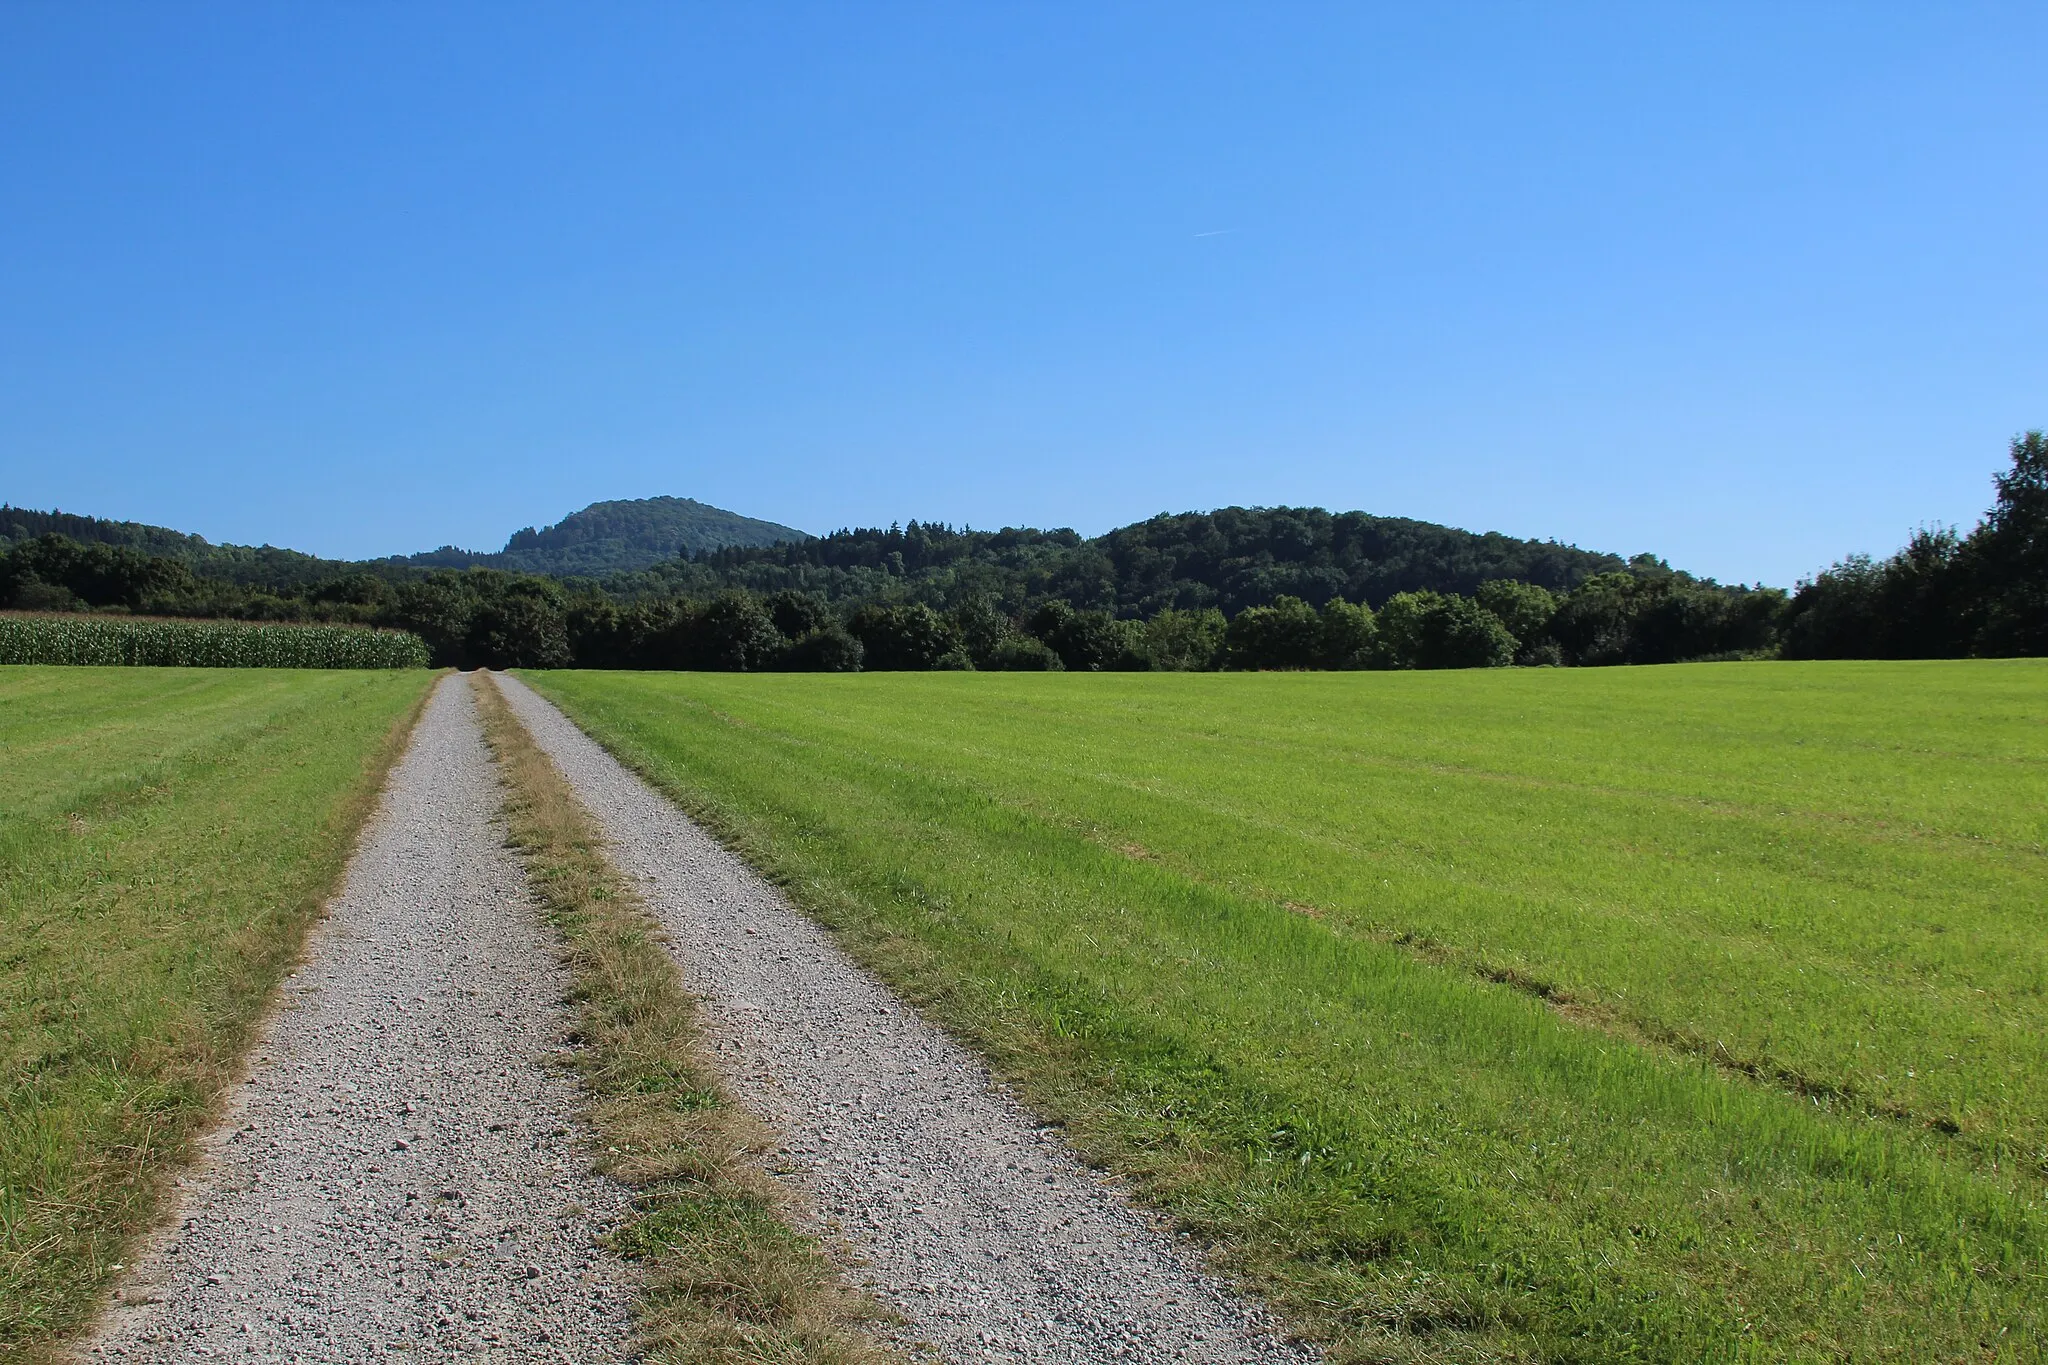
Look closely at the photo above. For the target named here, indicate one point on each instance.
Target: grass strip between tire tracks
(727, 1279)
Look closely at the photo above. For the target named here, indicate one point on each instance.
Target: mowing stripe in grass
(728, 1280)
(1409, 1158)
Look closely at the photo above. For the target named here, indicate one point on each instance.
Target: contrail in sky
(1219, 232)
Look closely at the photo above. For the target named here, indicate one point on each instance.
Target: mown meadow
(166, 837)
(1675, 1013)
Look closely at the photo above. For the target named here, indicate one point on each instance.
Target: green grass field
(166, 836)
(1666, 1014)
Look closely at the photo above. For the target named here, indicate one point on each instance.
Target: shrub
(1023, 654)
(1524, 608)
(356, 590)
(1592, 624)
(99, 575)
(1351, 638)
(982, 630)
(797, 614)
(1287, 634)
(521, 627)
(32, 594)
(1622, 618)
(830, 650)
(912, 637)
(733, 634)
(1442, 630)
(1088, 641)
(1184, 641)
(157, 642)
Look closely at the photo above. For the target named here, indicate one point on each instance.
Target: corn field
(203, 644)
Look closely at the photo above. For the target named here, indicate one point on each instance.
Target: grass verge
(167, 837)
(727, 1279)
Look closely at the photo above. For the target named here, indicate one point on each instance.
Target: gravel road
(401, 1174)
(977, 1224)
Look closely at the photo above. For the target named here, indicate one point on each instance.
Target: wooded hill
(606, 538)
(1232, 558)
(263, 566)
(1238, 587)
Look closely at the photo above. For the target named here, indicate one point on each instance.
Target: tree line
(1943, 595)
(497, 619)
(1230, 559)
(1174, 593)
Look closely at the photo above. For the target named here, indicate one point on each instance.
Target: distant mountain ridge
(620, 536)
(604, 538)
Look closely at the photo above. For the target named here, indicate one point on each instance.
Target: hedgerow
(81, 639)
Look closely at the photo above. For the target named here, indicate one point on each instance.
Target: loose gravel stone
(974, 1220)
(400, 1176)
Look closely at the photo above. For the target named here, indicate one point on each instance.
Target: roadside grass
(727, 1279)
(1683, 1013)
(167, 836)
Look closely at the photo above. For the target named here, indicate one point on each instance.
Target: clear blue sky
(1750, 286)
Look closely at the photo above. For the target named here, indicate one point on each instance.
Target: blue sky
(1751, 287)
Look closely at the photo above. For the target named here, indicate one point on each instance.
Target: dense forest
(1246, 588)
(1230, 559)
(252, 565)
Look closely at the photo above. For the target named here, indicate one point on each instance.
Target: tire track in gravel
(978, 1224)
(399, 1174)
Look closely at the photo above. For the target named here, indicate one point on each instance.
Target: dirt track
(401, 1176)
(980, 1227)
(400, 1173)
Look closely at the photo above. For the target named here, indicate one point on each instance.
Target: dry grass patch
(727, 1278)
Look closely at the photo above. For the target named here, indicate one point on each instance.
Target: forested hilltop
(618, 537)
(1234, 588)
